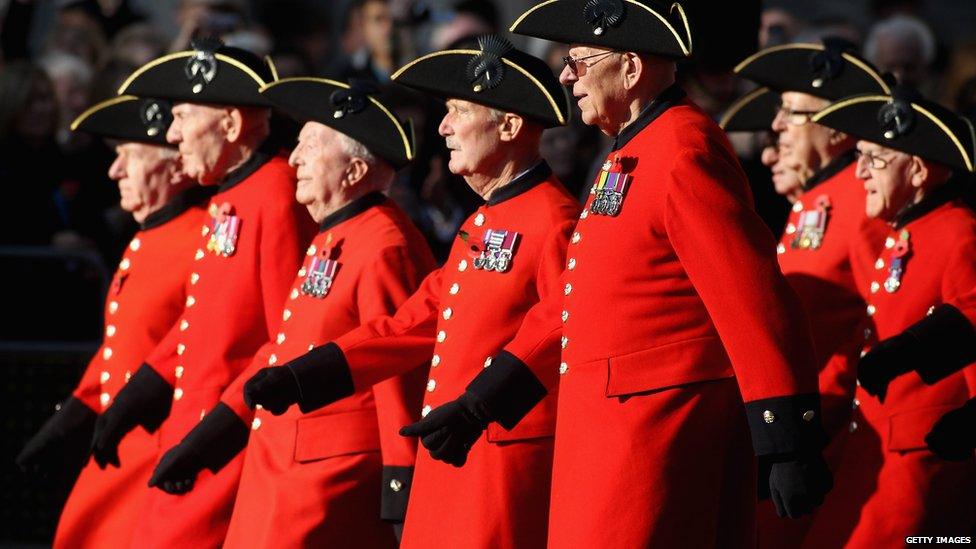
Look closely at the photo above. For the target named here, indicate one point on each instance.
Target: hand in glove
(212, 444)
(64, 439)
(274, 389)
(145, 400)
(449, 430)
(798, 484)
(953, 437)
(885, 361)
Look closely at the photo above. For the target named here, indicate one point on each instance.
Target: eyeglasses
(576, 65)
(875, 161)
(793, 117)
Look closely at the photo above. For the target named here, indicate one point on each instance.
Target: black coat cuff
(945, 340)
(508, 389)
(149, 395)
(786, 426)
(396, 491)
(218, 438)
(323, 377)
(74, 415)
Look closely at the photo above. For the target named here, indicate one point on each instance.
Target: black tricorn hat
(906, 122)
(624, 25)
(127, 118)
(353, 110)
(831, 70)
(495, 75)
(210, 73)
(752, 112)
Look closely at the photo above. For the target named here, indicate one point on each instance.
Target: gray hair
(902, 27)
(495, 115)
(380, 171)
(57, 64)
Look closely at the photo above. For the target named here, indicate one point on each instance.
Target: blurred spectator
(72, 79)
(111, 16)
(777, 25)
(77, 33)
(470, 20)
(904, 46)
(204, 18)
(958, 93)
(137, 45)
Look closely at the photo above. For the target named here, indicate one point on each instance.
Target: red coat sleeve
(729, 256)
(392, 345)
(384, 287)
(537, 342)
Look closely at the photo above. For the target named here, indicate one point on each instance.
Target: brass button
(104, 399)
(194, 278)
(441, 336)
(568, 289)
(455, 288)
(177, 393)
(798, 206)
(125, 263)
(180, 348)
(184, 324)
(199, 255)
(563, 368)
(871, 310)
(134, 245)
(487, 362)
(769, 416)
(431, 385)
(584, 214)
(110, 330)
(855, 404)
(302, 272)
(104, 377)
(294, 293)
(256, 424)
(280, 339)
(273, 359)
(479, 219)
(780, 248)
(790, 228)
(112, 307)
(575, 238)
(852, 427)
(107, 353)
(879, 264)
(571, 264)
(190, 301)
(425, 411)
(396, 485)
(875, 286)
(564, 342)
(448, 313)
(435, 360)
(286, 314)
(565, 316)
(179, 372)
(311, 250)
(808, 415)
(889, 243)
(462, 265)
(204, 231)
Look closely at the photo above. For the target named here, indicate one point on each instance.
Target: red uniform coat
(233, 307)
(817, 265)
(888, 485)
(458, 320)
(671, 308)
(142, 303)
(313, 480)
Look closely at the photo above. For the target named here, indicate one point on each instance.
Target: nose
(117, 170)
(863, 171)
(293, 158)
(567, 76)
(779, 121)
(173, 136)
(445, 129)
(769, 156)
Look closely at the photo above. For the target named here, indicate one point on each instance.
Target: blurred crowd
(58, 191)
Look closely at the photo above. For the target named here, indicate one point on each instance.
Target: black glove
(274, 389)
(313, 380)
(953, 437)
(449, 430)
(503, 392)
(788, 437)
(798, 484)
(63, 441)
(885, 361)
(145, 400)
(212, 444)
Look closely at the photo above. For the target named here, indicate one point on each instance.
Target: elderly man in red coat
(915, 159)
(319, 474)
(507, 257)
(678, 331)
(246, 258)
(142, 304)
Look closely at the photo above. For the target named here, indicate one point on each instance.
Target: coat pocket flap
(336, 434)
(671, 365)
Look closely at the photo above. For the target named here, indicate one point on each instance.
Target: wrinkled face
(142, 172)
(321, 163)
(786, 180)
(596, 85)
(801, 142)
(887, 180)
(471, 135)
(199, 131)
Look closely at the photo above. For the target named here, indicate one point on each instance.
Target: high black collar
(948, 192)
(258, 158)
(351, 210)
(664, 101)
(523, 182)
(177, 205)
(832, 168)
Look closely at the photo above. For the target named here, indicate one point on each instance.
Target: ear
(919, 172)
(232, 124)
(837, 137)
(510, 126)
(633, 67)
(356, 172)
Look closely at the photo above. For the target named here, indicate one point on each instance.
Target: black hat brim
(235, 83)
(754, 111)
(528, 88)
(641, 30)
(122, 118)
(787, 68)
(375, 126)
(937, 134)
